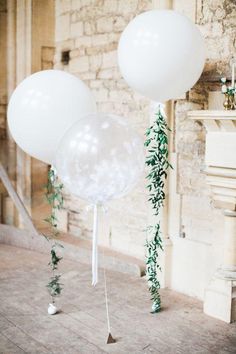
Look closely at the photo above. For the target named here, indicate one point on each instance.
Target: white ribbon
(95, 241)
(95, 246)
(95, 263)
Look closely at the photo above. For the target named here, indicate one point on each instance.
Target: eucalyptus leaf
(55, 199)
(157, 162)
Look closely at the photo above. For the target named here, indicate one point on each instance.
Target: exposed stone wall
(216, 19)
(197, 256)
(217, 22)
(90, 30)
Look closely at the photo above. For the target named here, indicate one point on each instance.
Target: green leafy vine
(55, 199)
(158, 164)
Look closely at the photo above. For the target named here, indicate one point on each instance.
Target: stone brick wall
(216, 20)
(90, 30)
(196, 257)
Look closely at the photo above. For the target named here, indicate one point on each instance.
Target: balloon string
(95, 246)
(95, 263)
(106, 296)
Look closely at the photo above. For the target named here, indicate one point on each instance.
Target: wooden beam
(17, 201)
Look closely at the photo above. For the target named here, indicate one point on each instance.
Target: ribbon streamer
(95, 240)
(95, 246)
(110, 339)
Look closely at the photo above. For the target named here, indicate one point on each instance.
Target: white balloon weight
(43, 107)
(161, 54)
(100, 158)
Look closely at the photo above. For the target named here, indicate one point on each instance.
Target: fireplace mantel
(220, 170)
(220, 155)
(216, 121)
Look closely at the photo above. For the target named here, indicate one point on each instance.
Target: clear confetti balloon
(100, 158)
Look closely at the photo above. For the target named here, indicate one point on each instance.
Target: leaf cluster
(54, 259)
(54, 189)
(55, 286)
(158, 164)
(55, 199)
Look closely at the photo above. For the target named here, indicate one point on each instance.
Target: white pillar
(23, 69)
(220, 294)
(11, 84)
(229, 258)
(220, 300)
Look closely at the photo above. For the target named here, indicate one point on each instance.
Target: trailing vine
(157, 162)
(55, 199)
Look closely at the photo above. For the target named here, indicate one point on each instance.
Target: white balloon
(43, 107)
(161, 54)
(100, 158)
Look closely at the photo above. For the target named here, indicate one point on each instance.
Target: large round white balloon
(43, 107)
(100, 158)
(161, 54)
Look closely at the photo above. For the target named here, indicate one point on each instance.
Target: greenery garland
(55, 199)
(157, 162)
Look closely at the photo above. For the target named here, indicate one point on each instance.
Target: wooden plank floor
(25, 326)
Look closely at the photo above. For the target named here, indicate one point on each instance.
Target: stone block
(62, 32)
(104, 24)
(108, 74)
(110, 6)
(62, 6)
(125, 6)
(84, 41)
(219, 300)
(119, 23)
(89, 28)
(77, 53)
(101, 95)
(99, 39)
(88, 75)
(79, 65)
(73, 17)
(117, 95)
(109, 59)
(95, 62)
(96, 84)
(114, 37)
(76, 4)
(76, 29)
